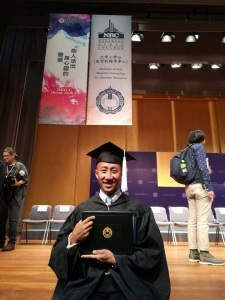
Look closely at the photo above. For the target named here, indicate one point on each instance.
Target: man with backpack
(200, 196)
(12, 193)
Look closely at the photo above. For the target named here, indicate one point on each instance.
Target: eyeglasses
(7, 155)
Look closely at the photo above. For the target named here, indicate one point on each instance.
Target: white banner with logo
(110, 80)
(64, 88)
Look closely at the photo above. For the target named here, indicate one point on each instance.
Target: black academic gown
(141, 276)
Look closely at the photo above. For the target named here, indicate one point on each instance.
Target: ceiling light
(137, 36)
(216, 66)
(192, 37)
(196, 66)
(175, 65)
(153, 66)
(167, 36)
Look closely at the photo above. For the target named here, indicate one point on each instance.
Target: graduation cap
(111, 153)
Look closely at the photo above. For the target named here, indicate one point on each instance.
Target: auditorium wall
(60, 171)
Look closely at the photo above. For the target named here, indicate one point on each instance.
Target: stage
(24, 273)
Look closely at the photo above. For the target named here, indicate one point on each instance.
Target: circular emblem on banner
(110, 101)
(61, 20)
(107, 232)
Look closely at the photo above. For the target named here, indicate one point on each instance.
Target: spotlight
(167, 37)
(196, 66)
(192, 37)
(216, 66)
(175, 65)
(137, 36)
(153, 66)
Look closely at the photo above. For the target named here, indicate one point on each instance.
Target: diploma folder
(112, 230)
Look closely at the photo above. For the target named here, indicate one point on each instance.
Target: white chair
(39, 215)
(162, 221)
(60, 214)
(215, 224)
(220, 216)
(179, 216)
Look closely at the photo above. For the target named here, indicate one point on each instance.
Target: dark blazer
(2, 171)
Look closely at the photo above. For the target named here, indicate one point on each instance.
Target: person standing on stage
(104, 275)
(12, 194)
(1, 174)
(200, 197)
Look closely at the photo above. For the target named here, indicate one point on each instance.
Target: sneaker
(207, 259)
(194, 255)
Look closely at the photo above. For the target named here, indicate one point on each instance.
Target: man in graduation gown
(142, 275)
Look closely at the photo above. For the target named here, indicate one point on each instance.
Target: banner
(109, 90)
(64, 88)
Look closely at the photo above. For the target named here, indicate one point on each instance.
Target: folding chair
(215, 224)
(60, 214)
(220, 216)
(39, 215)
(162, 221)
(179, 216)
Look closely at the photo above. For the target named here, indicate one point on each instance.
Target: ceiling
(152, 18)
(157, 15)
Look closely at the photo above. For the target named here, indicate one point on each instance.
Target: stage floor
(24, 273)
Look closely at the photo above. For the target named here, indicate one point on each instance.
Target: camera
(11, 179)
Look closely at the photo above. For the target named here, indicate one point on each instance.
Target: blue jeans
(9, 209)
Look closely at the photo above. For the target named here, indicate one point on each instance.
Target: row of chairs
(40, 215)
(178, 216)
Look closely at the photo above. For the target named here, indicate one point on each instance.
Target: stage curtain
(21, 69)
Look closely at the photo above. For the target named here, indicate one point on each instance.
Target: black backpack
(181, 169)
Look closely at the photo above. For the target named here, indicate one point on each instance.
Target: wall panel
(132, 140)
(53, 172)
(154, 125)
(220, 111)
(191, 115)
(60, 172)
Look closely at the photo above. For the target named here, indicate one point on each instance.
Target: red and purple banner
(64, 88)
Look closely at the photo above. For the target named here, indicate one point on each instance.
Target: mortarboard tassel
(124, 187)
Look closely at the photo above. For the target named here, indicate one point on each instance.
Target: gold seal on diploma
(107, 232)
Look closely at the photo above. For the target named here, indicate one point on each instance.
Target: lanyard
(9, 171)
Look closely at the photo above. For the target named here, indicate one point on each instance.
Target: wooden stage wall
(60, 172)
